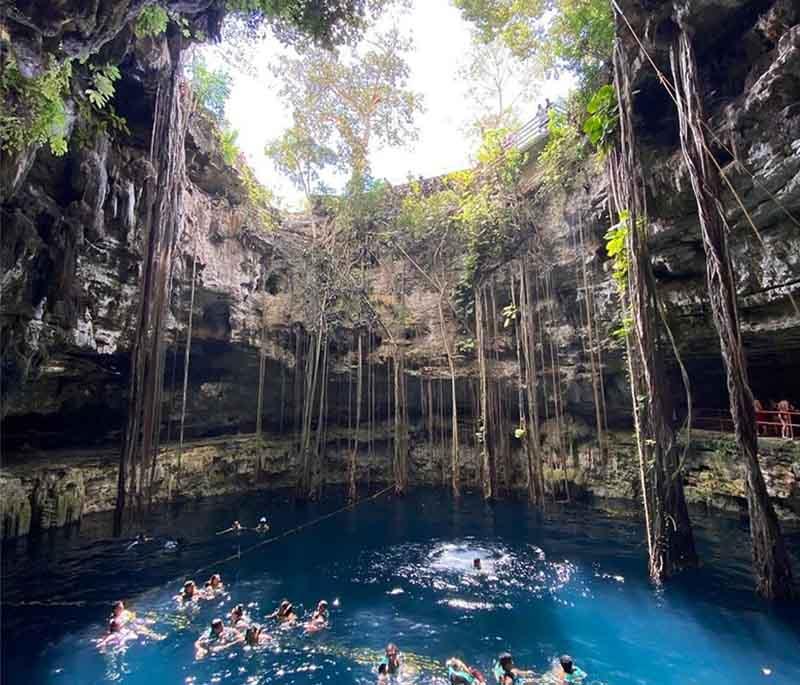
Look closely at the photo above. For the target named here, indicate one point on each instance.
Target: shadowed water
(572, 580)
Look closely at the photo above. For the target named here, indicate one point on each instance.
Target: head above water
(262, 520)
(118, 608)
(476, 563)
(252, 634)
(237, 611)
(189, 588)
(566, 663)
(114, 626)
(322, 605)
(216, 580)
(217, 626)
(391, 650)
(506, 660)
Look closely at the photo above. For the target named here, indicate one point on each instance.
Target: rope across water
(232, 557)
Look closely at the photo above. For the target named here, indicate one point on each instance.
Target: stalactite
(163, 217)
(771, 563)
(672, 542)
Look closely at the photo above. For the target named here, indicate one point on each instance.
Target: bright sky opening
(441, 45)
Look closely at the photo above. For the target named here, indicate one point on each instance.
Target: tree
(298, 156)
(352, 99)
(576, 35)
(211, 87)
(326, 23)
(498, 83)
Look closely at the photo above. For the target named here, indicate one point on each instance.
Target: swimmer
(237, 617)
(319, 619)
(476, 564)
(140, 539)
(189, 593)
(506, 674)
(284, 613)
(458, 673)
(236, 527)
(121, 614)
(256, 635)
(263, 526)
(391, 662)
(566, 671)
(217, 639)
(214, 586)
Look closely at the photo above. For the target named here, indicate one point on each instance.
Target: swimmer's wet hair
(566, 663)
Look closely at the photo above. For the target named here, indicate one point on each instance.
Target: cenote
(420, 282)
(571, 579)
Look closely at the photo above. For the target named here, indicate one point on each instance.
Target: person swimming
(214, 586)
(121, 614)
(566, 671)
(476, 564)
(236, 527)
(263, 526)
(140, 539)
(284, 613)
(506, 674)
(391, 662)
(319, 619)
(189, 592)
(237, 617)
(256, 635)
(459, 673)
(217, 639)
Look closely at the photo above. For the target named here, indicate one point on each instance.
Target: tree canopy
(576, 35)
(350, 100)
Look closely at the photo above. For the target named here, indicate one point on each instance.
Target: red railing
(770, 422)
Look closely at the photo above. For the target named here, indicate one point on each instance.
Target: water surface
(572, 580)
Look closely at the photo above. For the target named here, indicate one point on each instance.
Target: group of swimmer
(240, 629)
(504, 671)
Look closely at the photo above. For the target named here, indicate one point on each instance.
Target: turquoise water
(571, 580)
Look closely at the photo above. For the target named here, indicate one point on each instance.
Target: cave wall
(71, 253)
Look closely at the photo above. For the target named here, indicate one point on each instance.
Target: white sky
(441, 43)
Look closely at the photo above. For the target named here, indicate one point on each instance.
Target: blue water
(572, 580)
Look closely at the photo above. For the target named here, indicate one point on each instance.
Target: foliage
(350, 100)
(509, 314)
(211, 87)
(465, 346)
(228, 147)
(34, 110)
(562, 153)
(603, 117)
(576, 35)
(299, 157)
(617, 249)
(497, 83)
(152, 21)
(102, 88)
(481, 207)
(327, 23)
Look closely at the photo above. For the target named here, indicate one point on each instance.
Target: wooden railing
(534, 129)
(770, 422)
